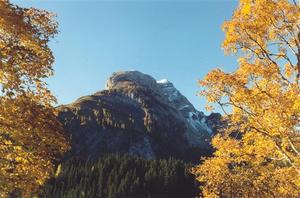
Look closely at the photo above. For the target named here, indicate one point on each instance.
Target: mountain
(138, 115)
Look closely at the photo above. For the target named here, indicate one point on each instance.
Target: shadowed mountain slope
(137, 115)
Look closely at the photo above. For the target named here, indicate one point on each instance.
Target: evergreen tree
(117, 176)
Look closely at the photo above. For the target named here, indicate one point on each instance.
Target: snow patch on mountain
(198, 122)
(163, 81)
(197, 127)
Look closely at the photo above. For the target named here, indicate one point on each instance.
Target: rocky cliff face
(197, 128)
(138, 115)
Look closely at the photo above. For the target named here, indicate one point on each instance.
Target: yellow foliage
(258, 153)
(30, 136)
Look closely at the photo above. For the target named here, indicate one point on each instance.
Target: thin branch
(289, 160)
(266, 55)
(287, 43)
(295, 3)
(293, 147)
(221, 104)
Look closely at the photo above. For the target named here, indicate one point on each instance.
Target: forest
(116, 175)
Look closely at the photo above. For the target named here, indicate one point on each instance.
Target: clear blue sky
(176, 40)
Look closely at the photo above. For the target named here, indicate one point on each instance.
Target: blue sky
(176, 40)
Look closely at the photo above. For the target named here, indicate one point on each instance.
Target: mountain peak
(163, 81)
(123, 79)
(136, 115)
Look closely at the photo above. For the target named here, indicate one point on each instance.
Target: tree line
(121, 175)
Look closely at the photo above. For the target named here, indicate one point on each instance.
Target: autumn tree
(258, 152)
(30, 137)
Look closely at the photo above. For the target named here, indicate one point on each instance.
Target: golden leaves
(30, 136)
(25, 55)
(257, 154)
(246, 8)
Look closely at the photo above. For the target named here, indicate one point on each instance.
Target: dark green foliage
(119, 176)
